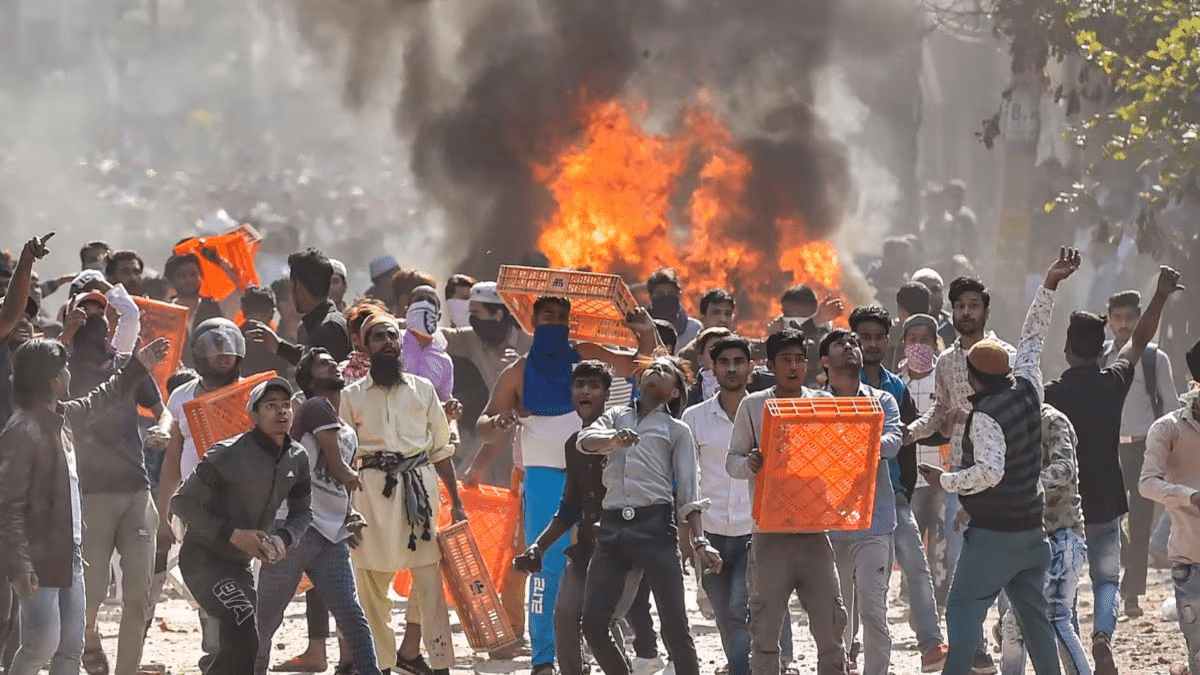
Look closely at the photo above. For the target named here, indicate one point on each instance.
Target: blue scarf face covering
(548, 369)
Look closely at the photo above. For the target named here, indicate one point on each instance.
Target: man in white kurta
(403, 445)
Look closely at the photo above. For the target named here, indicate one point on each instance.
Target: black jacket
(239, 485)
(323, 327)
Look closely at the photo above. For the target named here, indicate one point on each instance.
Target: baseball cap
(90, 296)
(84, 278)
(485, 292)
(261, 390)
(382, 265)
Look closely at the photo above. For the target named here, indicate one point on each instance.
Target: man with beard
(871, 325)
(323, 552)
(125, 268)
(217, 348)
(404, 446)
(40, 506)
(229, 504)
(533, 395)
(1093, 399)
(118, 509)
(864, 557)
(952, 390)
(182, 271)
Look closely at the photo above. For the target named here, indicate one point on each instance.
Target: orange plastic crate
(493, 512)
(475, 598)
(221, 414)
(820, 458)
(162, 319)
(236, 247)
(599, 302)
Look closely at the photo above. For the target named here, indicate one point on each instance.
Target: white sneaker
(647, 666)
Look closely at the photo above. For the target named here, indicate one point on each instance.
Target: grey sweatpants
(864, 566)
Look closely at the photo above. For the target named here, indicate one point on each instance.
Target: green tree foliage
(1142, 74)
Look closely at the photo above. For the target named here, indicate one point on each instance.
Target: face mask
(458, 311)
(551, 337)
(668, 308)
(422, 317)
(91, 342)
(1191, 397)
(921, 357)
(490, 331)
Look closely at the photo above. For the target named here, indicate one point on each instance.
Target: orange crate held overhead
(493, 514)
(599, 302)
(221, 414)
(820, 458)
(162, 319)
(475, 598)
(237, 248)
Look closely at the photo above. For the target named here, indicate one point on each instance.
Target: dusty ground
(1143, 646)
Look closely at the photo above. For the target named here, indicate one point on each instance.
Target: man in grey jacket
(228, 504)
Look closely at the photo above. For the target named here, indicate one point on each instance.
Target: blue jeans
(910, 553)
(52, 627)
(730, 600)
(539, 500)
(328, 567)
(1067, 555)
(1104, 563)
(1187, 600)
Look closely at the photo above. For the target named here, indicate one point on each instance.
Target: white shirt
(729, 508)
(188, 459)
(76, 500)
(922, 393)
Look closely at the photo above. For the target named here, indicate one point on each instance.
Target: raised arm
(128, 319)
(1147, 326)
(17, 295)
(1028, 361)
(624, 364)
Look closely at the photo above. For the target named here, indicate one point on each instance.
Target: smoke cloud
(486, 88)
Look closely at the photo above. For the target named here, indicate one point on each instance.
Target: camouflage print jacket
(1060, 473)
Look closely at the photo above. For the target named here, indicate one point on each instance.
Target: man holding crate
(782, 563)
(534, 393)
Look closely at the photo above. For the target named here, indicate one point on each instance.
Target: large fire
(622, 208)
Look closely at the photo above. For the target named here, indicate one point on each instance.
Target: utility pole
(1020, 126)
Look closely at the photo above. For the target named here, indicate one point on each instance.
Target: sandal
(345, 669)
(94, 661)
(296, 665)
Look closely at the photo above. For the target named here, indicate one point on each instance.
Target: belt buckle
(628, 513)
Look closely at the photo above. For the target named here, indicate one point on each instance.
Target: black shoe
(983, 664)
(1102, 654)
(544, 669)
(416, 666)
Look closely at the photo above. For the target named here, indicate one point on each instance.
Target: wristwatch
(699, 542)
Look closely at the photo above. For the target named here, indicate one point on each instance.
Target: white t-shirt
(188, 459)
(330, 500)
(922, 392)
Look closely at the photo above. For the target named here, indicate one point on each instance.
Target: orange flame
(618, 191)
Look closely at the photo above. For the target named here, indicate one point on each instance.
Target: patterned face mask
(1191, 397)
(920, 357)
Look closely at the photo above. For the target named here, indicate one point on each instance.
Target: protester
(717, 309)
(118, 509)
(400, 460)
(952, 391)
(125, 268)
(582, 506)
(323, 552)
(337, 284)
(534, 392)
(228, 504)
(1152, 390)
(781, 564)
(404, 282)
(458, 300)
(217, 348)
(1005, 544)
(937, 308)
(381, 270)
(1062, 517)
(321, 325)
(666, 305)
(864, 557)
(1093, 399)
(871, 326)
(1171, 477)
(258, 308)
(638, 530)
(41, 504)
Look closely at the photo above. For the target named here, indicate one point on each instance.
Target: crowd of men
(995, 482)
